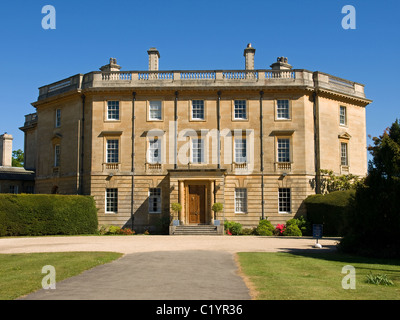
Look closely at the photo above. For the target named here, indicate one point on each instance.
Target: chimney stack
(281, 64)
(6, 150)
(249, 53)
(111, 67)
(154, 55)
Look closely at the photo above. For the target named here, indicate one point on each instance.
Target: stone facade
(253, 140)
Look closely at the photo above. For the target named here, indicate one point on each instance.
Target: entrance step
(196, 230)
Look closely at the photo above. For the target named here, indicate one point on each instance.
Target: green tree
(18, 158)
(374, 217)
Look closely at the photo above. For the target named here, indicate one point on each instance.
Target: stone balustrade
(201, 78)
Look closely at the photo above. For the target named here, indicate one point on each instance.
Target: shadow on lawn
(330, 253)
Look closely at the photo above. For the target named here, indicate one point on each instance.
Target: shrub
(279, 229)
(36, 215)
(248, 231)
(302, 223)
(126, 231)
(264, 228)
(292, 230)
(233, 227)
(331, 210)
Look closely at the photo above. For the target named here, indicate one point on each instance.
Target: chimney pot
(154, 56)
(6, 150)
(249, 53)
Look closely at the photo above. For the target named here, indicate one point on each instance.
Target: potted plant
(176, 207)
(217, 207)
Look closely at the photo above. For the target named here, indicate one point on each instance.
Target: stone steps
(196, 230)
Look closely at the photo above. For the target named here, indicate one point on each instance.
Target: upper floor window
(240, 150)
(343, 116)
(197, 150)
(282, 110)
(155, 110)
(198, 110)
(58, 118)
(112, 151)
(112, 110)
(240, 110)
(154, 151)
(283, 150)
(344, 154)
(57, 153)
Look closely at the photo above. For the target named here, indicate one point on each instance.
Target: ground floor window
(112, 200)
(240, 200)
(284, 200)
(155, 200)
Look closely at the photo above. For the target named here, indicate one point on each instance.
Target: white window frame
(155, 106)
(112, 152)
(343, 116)
(195, 150)
(240, 147)
(284, 200)
(283, 158)
(58, 118)
(283, 111)
(154, 145)
(113, 110)
(155, 195)
(111, 202)
(198, 106)
(238, 112)
(240, 200)
(344, 154)
(57, 155)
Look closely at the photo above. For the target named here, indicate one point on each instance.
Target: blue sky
(198, 35)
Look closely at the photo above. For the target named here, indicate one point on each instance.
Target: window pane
(112, 151)
(113, 110)
(283, 150)
(284, 200)
(112, 200)
(57, 151)
(155, 110)
(241, 200)
(282, 111)
(155, 151)
(155, 200)
(240, 109)
(343, 155)
(198, 109)
(197, 150)
(58, 118)
(240, 151)
(343, 115)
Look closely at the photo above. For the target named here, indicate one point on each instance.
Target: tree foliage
(374, 216)
(18, 158)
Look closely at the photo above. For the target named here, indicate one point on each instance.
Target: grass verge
(21, 274)
(318, 276)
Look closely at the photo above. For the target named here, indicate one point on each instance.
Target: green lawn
(318, 276)
(21, 274)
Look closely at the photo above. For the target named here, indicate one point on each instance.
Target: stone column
(181, 214)
(212, 188)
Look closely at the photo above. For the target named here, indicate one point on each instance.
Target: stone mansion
(138, 141)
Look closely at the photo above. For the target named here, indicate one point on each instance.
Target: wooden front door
(196, 204)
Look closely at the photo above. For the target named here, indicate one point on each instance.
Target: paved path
(158, 267)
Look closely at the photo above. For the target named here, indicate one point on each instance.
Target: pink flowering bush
(279, 229)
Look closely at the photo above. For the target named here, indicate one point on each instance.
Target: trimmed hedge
(37, 215)
(330, 210)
